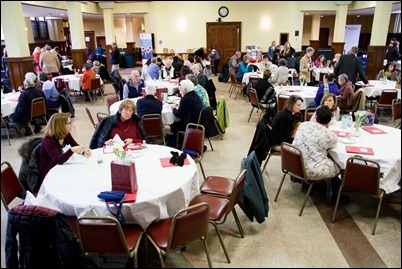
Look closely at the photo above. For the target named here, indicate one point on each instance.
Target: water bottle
(165, 95)
(350, 120)
(326, 88)
(144, 144)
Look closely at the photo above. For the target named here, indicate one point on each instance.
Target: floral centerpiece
(360, 116)
(120, 153)
(302, 80)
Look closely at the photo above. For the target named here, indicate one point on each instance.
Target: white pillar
(76, 25)
(340, 23)
(382, 16)
(129, 29)
(315, 27)
(13, 24)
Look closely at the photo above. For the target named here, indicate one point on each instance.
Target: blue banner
(146, 47)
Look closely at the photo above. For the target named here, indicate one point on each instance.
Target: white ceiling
(36, 11)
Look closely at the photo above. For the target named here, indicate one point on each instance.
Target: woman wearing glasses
(58, 145)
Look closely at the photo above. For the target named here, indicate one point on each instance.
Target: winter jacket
(29, 172)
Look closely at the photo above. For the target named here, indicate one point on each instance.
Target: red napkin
(165, 162)
(373, 130)
(128, 198)
(340, 133)
(359, 150)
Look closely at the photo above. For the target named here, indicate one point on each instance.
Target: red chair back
(292, 160)
(10, 185)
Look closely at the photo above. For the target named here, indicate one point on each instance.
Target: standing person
(99, 53)
(350, 65)
(86, 80)
(234, 62)
(124, 123)
(271, 50)
(314, 139)
(287, 51)
(336, 60)
(392, 54)
(36, 57)
(286, 121)
(58, 145)
(49, 62)
(115, 58)
(306, 65)
(4, 63)
(216, 59)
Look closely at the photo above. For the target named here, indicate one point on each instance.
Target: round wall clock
(223, 11)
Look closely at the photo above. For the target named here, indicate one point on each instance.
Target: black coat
(352, 66)
(45, 239)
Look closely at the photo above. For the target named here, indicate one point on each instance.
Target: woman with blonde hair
(125, 123)
(36, 57)
(58, 145)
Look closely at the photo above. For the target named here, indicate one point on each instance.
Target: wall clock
(223, 11)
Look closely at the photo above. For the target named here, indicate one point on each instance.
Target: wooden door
(225, 38)
(324, 37)
(90, 39)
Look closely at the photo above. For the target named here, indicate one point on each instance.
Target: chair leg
(305, 199)
(220, 240)
(212, 148)
(337, 203)
(266, 162)
(238, 222)
(251, 112)
(32, 129)
(204, 242)
(8, 136)
(202, 170)
(378, 211)
(279, 189)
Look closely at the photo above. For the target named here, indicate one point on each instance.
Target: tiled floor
(284, 239)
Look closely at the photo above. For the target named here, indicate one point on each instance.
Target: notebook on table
(373, 130)
(359, 150)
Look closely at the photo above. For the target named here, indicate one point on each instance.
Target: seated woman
(314, 139)
(58, 145)
(48, 87)
(345, 92)
(320, 62)
(125, 123)
(388, 72)
(86, 80)
(286, 121)
(101, 70)
(281, 74)
(331, 102)
(332, 88)
(133, 87)
(244, 67)
(265, 91)
(149, 104)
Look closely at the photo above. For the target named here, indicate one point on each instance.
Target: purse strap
(119, 214)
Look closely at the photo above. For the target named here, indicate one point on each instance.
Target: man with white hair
(133, 87)
(168, 69)
(149, 104)
(189, 109)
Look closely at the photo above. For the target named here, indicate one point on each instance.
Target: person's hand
(128, 141)
(79, 150)
(87, 152)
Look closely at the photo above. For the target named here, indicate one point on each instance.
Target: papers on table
(359, 150)
(108, 148)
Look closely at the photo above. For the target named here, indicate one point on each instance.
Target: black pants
(216, 63)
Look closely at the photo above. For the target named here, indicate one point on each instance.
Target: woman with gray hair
(196, 70)
(168, 69)
(345, 92)
(188, 111)
(22, 113)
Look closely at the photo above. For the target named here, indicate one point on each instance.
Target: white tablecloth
(73, 187)
(317, 71)
(9, 102)
(74, 82)
(171, 85)
(387, 152)
(376, 86)
(167, 113)
(308, 93)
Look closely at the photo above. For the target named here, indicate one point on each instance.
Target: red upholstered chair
(38, 111)
(11, 186)
(110, 101)
(362, 175)
(153, 127)
(255, 103)
(220, 207)
(396, 110)
(95, 87)
(106, 236)
(188, 225)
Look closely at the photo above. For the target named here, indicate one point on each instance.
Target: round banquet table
(9, 103)
(162, 191)
(307, 93)
(387, 152)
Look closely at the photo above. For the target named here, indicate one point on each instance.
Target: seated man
(22, 112)
(133, 87)
(149, 104)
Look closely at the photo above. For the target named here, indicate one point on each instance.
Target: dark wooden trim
(315, 44)
(375, 60)
(17, 68)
